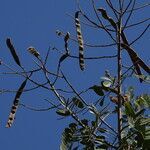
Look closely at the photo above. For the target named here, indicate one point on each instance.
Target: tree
(88, 128)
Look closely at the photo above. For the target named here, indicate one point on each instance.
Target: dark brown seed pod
(135, 58)
(112, 22)
(105, 16)
(136, 66)
(15, 105)
(64, 56)
(80, 40)
(13, 51)
(33, 51)
(104, 13)
(66, 38)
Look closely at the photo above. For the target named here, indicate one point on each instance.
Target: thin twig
(97, 57)
(140, 35)
(139, 7)
(88, 44)
(95, 10)
(130, 14)
(37, 109)
(138, 23)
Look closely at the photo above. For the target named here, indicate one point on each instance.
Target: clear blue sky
(33, 23)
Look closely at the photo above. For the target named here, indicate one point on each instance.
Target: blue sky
(33, 23)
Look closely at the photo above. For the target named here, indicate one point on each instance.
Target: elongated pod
(15, 105)
(33, 51)
(132, 56)
(13, 51)
(136, 58)
(105, 16)
(66, 38)
(80, 40)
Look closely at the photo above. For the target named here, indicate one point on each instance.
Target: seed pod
(80, 40)
(112, 22)
(105, 16)
(104, 13)
(13, 51)
(15, 105)
(137, 68)
(33, 51)
(135, 58)
(64, 56)
(66, 38)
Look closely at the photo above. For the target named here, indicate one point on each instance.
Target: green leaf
(85, 122)
(141, 112)
(143, 77)
(106, 84)
(140, 102)
(102, 147)
(129, 110)
(63, 112)
(13, 51)
(78, 102)
(97, 89)
(145, 121)
(131, 122)
(147, 136)
(73, 127)
(146, 145)
(143, 100)
(102, 130)
(106, 79)
(65, 139)
(130, 91)
(100, 137)
(140, 139)
(147, 100)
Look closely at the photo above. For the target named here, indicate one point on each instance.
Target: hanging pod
(136, 66)
(33, 51)
(136, 59)
(109, 19)
(80, 40)
(66, 38)
(13, 51)
(15, 105)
